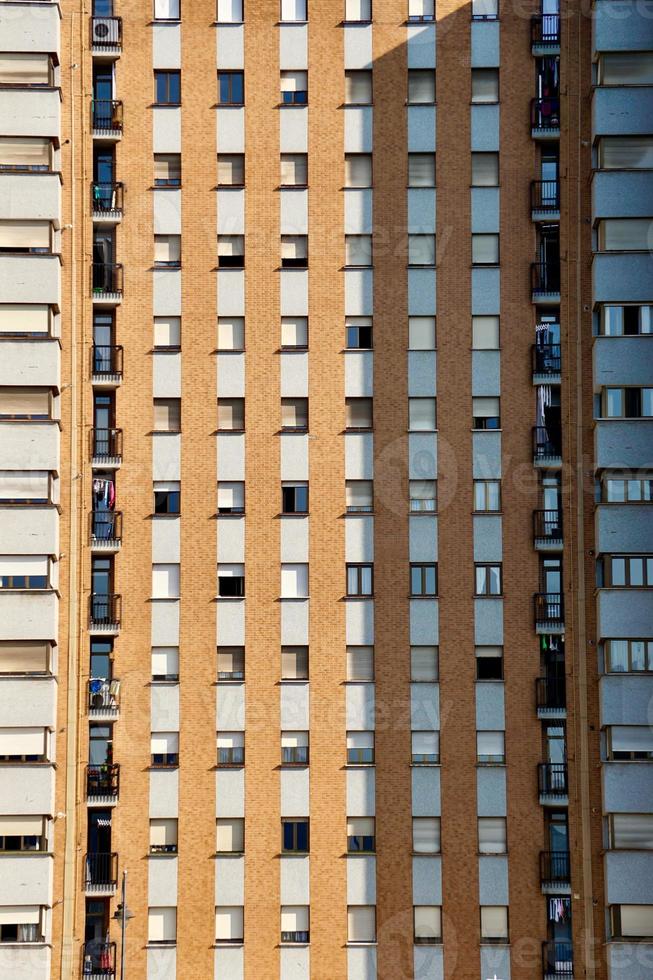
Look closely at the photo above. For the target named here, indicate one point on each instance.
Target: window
(632, 921)
(358, 87)
(421, 86)
(489, 663)
(492, 835)
(231, 252)
(625, 234)
(230, 835)
(490, 747)
(360, 748)
(167, 87)
(487, 580)
(631, 831)
(426, 835)
(626, 68)
(231, 88)
(358, 413)
(627, 403)
(358, 10)
(358, 169)
(231, 581)
(24, 744)
(294, 663)
(294, 251)
(361, 835)
(231, 170)
(487, 496)
(231, 663)
(165, 663)
(422, 415)
(167, 251)
(360, 580)
(229, 927)
(26, 237)
(358, 251)
(628, 571)
(167, 170)
(485, 85)
(485, 249)
(630, 320)
(421, 333)
(485, 169)
(628, 656)
(360, 663)
(25, 657)
(421, 250)
(294, 87)
(167, 497)
(423, 580)
(231, 414)
(231, 748)
(421, 10)
(425, 748)
(167, 415)
(25, 70)
(29, 487)
(165, 581)
(231, 333)
(22, 833)
(293, 10)
(485, 9)
(359, 496)
(167, 332)
(294, 498)
(294, 581)
(28, 153)
(423, 664)
(427, 926)
(295, 834)
(361, 924)
(24, 572)
(294, 749)
(164, 748)
(163, 835)
(294, 413)
(166, 9)
(630, 743)
(358, 330)
(423, 496)
(231, 497)
(22, 924)
(22, 320)
(294, 169)
(421, 169)
(486, 413)
(294, 332)
(295, 924)
(485, 332)
(494, 924)
(624, 153)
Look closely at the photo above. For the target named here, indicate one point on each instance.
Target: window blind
(230, 740)
(631, 738)
(423, 663)
(25, 152)
(358, 170)
(167, 331)
(24, 565)
(294, 169)
(23, 658)
(231, 413)
(24, 234)
(165, 581)
(360, 740)
(491, 835)
(427, 922)
(230, 834)
(361, 923)
(360, 663)
(24, 485)
(167, 167)
(294, 918)
(426, 835)
(167, 414)
(162, 924)
(231, 496)
(24, 68)
(163, 832)
(632, 831)
(294, 581)
(20, 319)
(22, 741)
(229, 923)
(230, 660)
(230, 11)
(636, 920)
(358, 250)
(626, 153)
(421, 414)
(19, 914)
(626, 68)
(167, 249)
(231, 169)
(294, 740)
(421, 8)
(294, 81)
(359, 413)
(231, 332)
(421, 249)
(494, 922)
(23, 826)
(358, 493)
(425, 743)
(231, 571)
(485, 169)
(421, 170)
(485, 85)
(294, 412)
(485, 249)
(293, 10)
(485, 332)
(164, 743)
(626, 234)
(294, 331)
(489, 743)
(26, 402)
(294, 246)
(358, 9)
(485, 8)
(485, 408)
(421, 85)
(166, 9)
(231, 245)
(360, 826)
(421, 332)
(358, 87)
(165, 661)
(293, 663)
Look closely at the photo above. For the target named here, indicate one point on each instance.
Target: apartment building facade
(326, 555)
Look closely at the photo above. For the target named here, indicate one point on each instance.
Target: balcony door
(99, 832)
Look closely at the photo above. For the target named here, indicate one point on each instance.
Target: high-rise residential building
(326, 617)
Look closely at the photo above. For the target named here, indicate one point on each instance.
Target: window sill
(293, 598)
(417, 105)
(293, 680)
(292, 187)
(230, 598)
(355, 23)
(355, 268)
(228, 854)
(161, 854)
(229, 105)
(293, 513)
(434, 596)
(168, 681)
(155, 517)
(357, 598)
(164, 598)
(229, 187)
(230, 268)
(166, 105)
(166, 350)
(161, 943)
(166, 187)
(229, 350)
(227, 944)
(229, 513)
(361, 944)
(425, 765)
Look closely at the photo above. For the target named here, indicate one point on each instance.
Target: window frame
(488, 570)
(168, 76)
(422, 571)
(359, 570)
(229, 75)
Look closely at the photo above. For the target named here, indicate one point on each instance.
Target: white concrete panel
(359, 623)
(359, 292)
(26, 879)
(485, 210)
(427, 881)
(162, 963)
(493, 880)
(359, 538)
(421, 292)
(231, 211)
(294, 457)
(164, 793)
(164, 708)
(29, 531)
(166, 375)
(361, 880)
(167, 212)
(162, 880)
(360, 792)
(486, 455)
(359, 374)
(230, 707)
(230, 880)
(361, 963)
(490, 707)
(293, 285)
(28, 702)
(25, 616)
(166, 130)
(166, 292)
(294, 792)
(293, 212)
(294, 963)
(30, 112)
(294, 708)
(231, 540)
(231, 456)
(230, 380)
(166, 456)
(421, 210)
(420, 45)
(295, 622)
(165, 622)
(26, 362)
(422, 373)
(230, 46)
(485, 128)
(358, 46)
(424, 622)
(231, 292)
(30, 278)
(423, 538)
(358, 210)
(230, 124)
(293, 47)
(488, 621)
(485, 44)
(166, 45)
(294, 375)
(358, 129)
(30, 196)
(294, 539)
(359, 707)
(421, 128)
(425, 707)
(27, 789)
(230, 793)
(230, 629)
(428, 963)
(359, 456)
(294, 880)
(28, 963)
(487, 538)
(229, 962)
(30, 28)
(293, 130)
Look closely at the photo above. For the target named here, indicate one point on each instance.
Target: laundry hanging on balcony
(104, 495)
(559, 910)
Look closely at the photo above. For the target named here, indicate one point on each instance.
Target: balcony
(106, 447)
(106, 202)
(545, 118)
(552, 782)
(551, 697)
(106, 365)
(106, 35)
(104, 613)
(102, 785)
(547, 530)
(555, 874)
(98, 960)
(545, 283)
(557, 961)
(105, 530)
(545, 34)
(106, 283)
(545, 200)
(547, 364)
(100, 874)
(106, 118)
(549, 612)
(103, 699)
(547, 447)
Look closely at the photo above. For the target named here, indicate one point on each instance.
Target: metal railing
(552, 779)
(98, 959)
(545, 277)
(106, 198)
(545, 30)
(106, 115)
(545, 195)
(102, 780)
(549, 609)
(100, 871)
(545, 113)
(557, 960)
(106, 443)
(547, 524)
(106, 278)
(103, 695)
(107, 359)
(554, 868)
(550, 693)
(104, 610)
(106, 32)
(547, 359)
(547, 443)
(106, 526)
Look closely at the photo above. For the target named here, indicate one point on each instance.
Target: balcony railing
(106, 280)
(102, 781)
(545, 113)
(545, 30)
(104, 610)
(106, 360)
(103, 695)
(550, 694)
(549, 611)
(98, 959)
(106, 443)
(547, 525)
(554, 868)
(106, 527)
(107, 199)
(547, 444)
(106, 115)
(552, 779)
(557, 960)
(100, 872)
(545, 278)
(545, 196)
(547, 359)
(106, 32)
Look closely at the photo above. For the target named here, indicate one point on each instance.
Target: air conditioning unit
(105, 30)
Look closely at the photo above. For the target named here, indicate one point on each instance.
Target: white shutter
(361, 923)
(294, 663)
(358, 170)
(167, 248)
(421, 249)
(494, 922)
(485, 408)
(636, 920)
(18, 657)
(294, 81)
(167, 167)
(619, 152)
(293, 10)
(360, 663)
(420, 8)
(230, 740)
(294, 246)
(421, 414)
(421, 169)
(427, 922)
(492, 835)
(167, 331)
(163, 832)
(22, 319)
(25, 151)
(230, 834)
(626, 234)
(231, 571)
(166, 9)
(360, 826)
(19, 914)
(164, 743)
(294, 740)
(631, 738)
(485, 84)
(358, 250)
(425, 743)
(162, 924)
(294, 581)
(485, 169)
(625, 68)
(426, 835)
(485, 332)
(358, 493)
(231, 496)
(165, 661)
(489, 743)
(231, 332)
(421, 332)
(358, 10)
(294, 169)
(294, 918)
(360, 740)
(24, 234)
(22, 741)
(23, 826)
(485, 249)
(633, 831)
(421, 86)
(485, 8)
(230, 11)
(230, 245)
(228, 923)
(165, 581)
(24, 485)
(24, 565)
(423, 663)
(24, 68)
(294, 331)
(25, 401)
